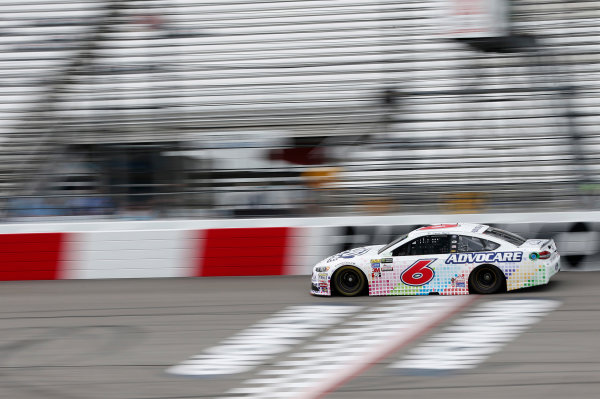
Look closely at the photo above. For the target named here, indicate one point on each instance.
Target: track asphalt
(117, 339)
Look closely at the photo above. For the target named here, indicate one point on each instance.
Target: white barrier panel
(130, 254)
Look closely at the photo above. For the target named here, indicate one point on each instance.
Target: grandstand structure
(403, 117)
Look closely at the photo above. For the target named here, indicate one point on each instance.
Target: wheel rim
(486, 278)
(349, 280)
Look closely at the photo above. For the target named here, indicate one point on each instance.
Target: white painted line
(472, 339)
(399, 338)
(343, 353)
(264, 340)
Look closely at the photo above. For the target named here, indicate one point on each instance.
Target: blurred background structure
(191, 108)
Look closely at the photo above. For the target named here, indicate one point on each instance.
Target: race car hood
(369, 251)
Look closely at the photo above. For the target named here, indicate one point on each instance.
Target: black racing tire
(349, 281)
(486, 279)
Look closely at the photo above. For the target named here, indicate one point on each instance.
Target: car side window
(490, 245)
(475, 244)
(402, 250)
(426, 245)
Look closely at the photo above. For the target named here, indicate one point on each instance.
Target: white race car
(444, 259)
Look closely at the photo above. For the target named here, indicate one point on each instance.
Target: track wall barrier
(248, 247)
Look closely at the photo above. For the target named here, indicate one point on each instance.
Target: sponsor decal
(387, 268)
(375, 260)
(458, 282)
(477, 228)
(387, 260)
(376, 270)
(374, 265)
(484, 257)
(348, 254)
(376, 275)
(322, 276)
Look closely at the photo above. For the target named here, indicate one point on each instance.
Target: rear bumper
(553, 267)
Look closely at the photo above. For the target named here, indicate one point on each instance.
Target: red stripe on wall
(243, 252)
(35, 256)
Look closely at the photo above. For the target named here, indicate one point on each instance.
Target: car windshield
(506, 236)
(391, 244)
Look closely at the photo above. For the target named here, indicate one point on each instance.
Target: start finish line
(315, 342)
(264, 340)
(319, 348)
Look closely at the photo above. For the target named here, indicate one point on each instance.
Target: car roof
(450, 228)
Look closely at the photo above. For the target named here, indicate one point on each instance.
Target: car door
(417, 262)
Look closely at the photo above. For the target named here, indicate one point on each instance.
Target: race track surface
(119, 338)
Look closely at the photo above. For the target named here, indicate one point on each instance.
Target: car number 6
(419, 273)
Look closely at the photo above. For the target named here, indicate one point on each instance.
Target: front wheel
(486, 279)
(349, 281)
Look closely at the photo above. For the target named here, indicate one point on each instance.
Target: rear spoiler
(542, 243)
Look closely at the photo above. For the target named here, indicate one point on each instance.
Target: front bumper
(320, 284)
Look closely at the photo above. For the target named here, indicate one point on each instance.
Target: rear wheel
(349, 281)
(486, 279)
